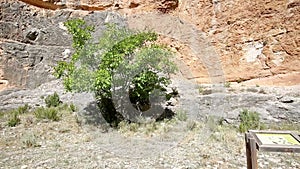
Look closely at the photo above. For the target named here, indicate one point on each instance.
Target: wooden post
(264, 141)
(251, 152)
(248, 154)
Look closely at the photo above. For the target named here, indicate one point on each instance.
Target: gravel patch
(67, 144)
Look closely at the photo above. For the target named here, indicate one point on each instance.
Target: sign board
(275, 141)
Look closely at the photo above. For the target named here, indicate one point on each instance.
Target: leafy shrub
(13, 119)
(47, 113)
(119, 54)
(53, 100)
(249, 120)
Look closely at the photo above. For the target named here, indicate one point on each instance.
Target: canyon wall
(253, 39)
(250, 42)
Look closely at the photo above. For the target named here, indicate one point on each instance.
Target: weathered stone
(286, 99)
(34, 44)
(33, 40)
(172, 102)
(224, 23)
(228, 104)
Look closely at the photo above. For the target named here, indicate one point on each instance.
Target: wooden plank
(251, 152)
(279, 148)
(248, 153)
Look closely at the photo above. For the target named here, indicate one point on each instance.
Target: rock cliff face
(254, 39)
(252, 42)
(31, 43)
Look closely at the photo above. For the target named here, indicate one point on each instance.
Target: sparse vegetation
(23, 109)
(73, 108)
(47, 113)
(154, 127)
(63, 107)
(2, 114)
(48, 135)
(181, 115)
(30, 141)
(284, 126)
(52, 100)
(227, 84)
(191, 125)
(204, 91)
(14, 115)
(249, 120)
(128, 127)
(151, 127)
(142, 128)
(53, 111)
(213, 123)
(14, 119)
(262, 91)
(201, 89)
(224, 134)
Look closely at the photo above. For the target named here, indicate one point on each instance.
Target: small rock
(172, 102)
(24, 166)
(286, 100)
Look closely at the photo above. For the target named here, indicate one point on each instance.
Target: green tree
(122, 60)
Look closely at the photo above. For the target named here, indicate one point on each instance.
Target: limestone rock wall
(33, 41)
(255, 39)
(30, 44)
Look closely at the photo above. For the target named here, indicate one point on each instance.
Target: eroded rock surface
(251, 40)
(33, 42)
(254, 39)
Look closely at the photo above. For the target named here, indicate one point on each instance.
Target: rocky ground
(255, 44)
(253, 40)
(82, 140)
(175, 144)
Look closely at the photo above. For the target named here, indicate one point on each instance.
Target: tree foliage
(119, 54)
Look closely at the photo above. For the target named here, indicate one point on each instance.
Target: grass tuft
(14, 119)
(249, 120)
(47, 113)
(53, 100)
(181, 115)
